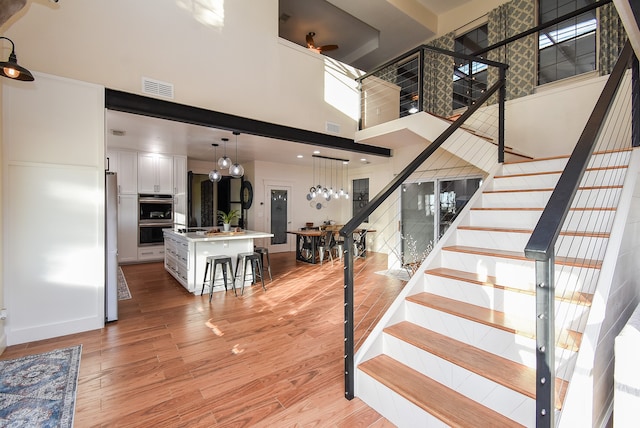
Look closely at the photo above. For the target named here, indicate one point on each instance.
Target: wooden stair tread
(529, 174)
(538, 159)
(549, 189)
(449, 406)
(577, 297)
(512, 324)
(530, 231)
(519, 255)
(503, 371)
(602, 152)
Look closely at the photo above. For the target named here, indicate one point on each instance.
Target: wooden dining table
(308, 241)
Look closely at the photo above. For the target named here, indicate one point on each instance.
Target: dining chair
(327, 245)
(360, 244)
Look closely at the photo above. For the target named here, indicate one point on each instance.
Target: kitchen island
(186, 253)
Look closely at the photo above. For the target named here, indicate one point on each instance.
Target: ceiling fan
(311, 44)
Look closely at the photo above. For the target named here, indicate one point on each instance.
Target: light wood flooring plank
(271, 358)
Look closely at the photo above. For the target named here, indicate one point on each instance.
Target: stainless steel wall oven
(155, 212)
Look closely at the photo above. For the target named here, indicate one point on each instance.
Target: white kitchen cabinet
(127, 228)
(180, 190)
(151, 253)
(155, 173)
(125, 164)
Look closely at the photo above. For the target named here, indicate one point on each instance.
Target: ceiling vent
(157, 88)
(334, 128)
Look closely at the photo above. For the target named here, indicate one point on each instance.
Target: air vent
(157, 88)
(334, 128)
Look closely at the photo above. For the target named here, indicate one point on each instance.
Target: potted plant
(228, 218)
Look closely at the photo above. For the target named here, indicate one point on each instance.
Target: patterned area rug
(40, 390)
(123, 288)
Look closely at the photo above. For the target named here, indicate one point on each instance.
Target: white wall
(550, 122)
(53, 199)
(237, 65)
(3, 336)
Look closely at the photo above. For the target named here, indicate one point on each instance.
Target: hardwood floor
(271, 358)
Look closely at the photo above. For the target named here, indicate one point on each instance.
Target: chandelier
(327, 169)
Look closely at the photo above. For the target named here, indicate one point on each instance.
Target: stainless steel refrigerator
(111, 250)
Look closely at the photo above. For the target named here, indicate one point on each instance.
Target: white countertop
(220, 236)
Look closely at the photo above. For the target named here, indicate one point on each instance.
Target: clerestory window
(569, 48)
(469, 78)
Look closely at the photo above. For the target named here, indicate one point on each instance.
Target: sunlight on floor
(214, 328)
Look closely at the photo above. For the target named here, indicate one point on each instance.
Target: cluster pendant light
(236, 169)
(215, 175)
(224, 162)
(319, 194)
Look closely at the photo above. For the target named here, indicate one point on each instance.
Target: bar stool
(340, 246)
(224, 262)
(264, 251)
(256, 266)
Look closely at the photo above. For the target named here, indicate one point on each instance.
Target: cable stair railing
(566, 223)
(572, 235)
(422, 165)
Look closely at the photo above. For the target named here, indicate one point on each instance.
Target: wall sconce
(11, 69)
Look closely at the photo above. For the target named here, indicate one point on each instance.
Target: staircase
(458, 347)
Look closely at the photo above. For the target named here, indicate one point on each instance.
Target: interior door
(278, 217)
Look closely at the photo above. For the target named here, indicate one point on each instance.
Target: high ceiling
(368, 33)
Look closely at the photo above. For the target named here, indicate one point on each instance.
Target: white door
(278, 217)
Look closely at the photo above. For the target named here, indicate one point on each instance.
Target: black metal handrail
(349, 228)
(543, 239)
(423, 48)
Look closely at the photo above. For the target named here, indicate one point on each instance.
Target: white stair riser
(599, 198)
(558, 164)
(521, 182)
(577, 220)
(580, 247)
(480, 295)
(513, 219)
(518, 273)
(605, 177)
(520, 304)
(575, 279)
(515, 273)
(395, 408)
(511, 346)
(610, 159)
(515, 199)
(503, 400)
(533, 167)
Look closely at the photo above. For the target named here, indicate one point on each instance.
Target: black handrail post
(349, 367)
(421, 80)
(502, 94)
(545, 343)
(362, 100)
(635, 103)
